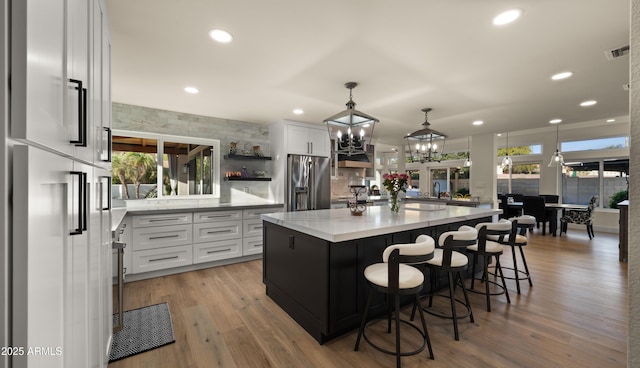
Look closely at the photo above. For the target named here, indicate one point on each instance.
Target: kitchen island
(314, 260)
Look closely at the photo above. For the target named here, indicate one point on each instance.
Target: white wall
(633, 340)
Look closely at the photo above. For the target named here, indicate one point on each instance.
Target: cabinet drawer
(161, 236)
(252, 246)
(213, 231)
(212, 216)
(252, 228)
(213, 251)
(162, 220)
(159, 259)
(255, 213)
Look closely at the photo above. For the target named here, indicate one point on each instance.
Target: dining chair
(550, 198)
(578, 216)
(535, 206)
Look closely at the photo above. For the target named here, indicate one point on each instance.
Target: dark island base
(320, 284)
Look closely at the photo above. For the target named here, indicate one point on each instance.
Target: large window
(595, 144)
(525, 179)
(604, 178)
(151, 165)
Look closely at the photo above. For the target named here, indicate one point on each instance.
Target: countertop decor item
(395, 183)
(357, 205)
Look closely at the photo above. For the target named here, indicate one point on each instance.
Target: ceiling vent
(616, 53)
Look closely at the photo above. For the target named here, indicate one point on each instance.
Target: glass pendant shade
(425, 143)
(351, 129)
(557, 159)
(467, 162)
(506, 160)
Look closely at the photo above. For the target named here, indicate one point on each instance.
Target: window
(534, 149)
(149, 165)
(525, 179)
(604, 178)
(595, 144)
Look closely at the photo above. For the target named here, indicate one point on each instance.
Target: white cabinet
(252, 230)
(100, 85)
(162, 258)
(61, 291)
(306, 140)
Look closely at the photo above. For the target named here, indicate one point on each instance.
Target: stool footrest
(408, 353)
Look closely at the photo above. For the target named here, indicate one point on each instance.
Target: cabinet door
(298, 140)
(41, 244)
(101, 84)
(319, 142)
(78, 86)
(38, 74)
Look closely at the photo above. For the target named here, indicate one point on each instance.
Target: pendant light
(557, 159)
(426, 142)
(467, 162)
(506, 160)
(351, 129)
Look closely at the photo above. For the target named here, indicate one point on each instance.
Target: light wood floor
(575, 315)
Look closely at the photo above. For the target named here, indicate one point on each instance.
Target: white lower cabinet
(252, 245)
(162, 258)
(168, 240)
(215, 251)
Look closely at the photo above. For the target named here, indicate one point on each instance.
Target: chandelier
(351, 129)
(557, 159)
(424, 143)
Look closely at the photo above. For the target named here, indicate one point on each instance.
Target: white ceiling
(405, 55)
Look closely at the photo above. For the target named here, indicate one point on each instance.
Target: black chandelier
(426, 144)
(352, 129)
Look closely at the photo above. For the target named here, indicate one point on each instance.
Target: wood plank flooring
(575, 315)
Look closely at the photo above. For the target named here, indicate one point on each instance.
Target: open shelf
(238, 178)
(246, 157)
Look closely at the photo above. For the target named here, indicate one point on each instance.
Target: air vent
(616, 53)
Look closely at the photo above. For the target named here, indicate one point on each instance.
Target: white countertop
(338, 225)
(159, 205)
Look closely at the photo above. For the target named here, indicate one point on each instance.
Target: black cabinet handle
(105, 191)
(82, 114)
(292, 244)
(82, 203)
(109, 143)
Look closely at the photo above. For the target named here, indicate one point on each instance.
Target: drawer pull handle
(217, 216)
(257, 245)
(218, 231)
(163, 237)
(163, 259)
(219, 251)
(254, 228)
(165, 219)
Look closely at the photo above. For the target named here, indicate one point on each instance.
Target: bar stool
(520, 225)
(446, 259)
(395, 278)
(488, 250)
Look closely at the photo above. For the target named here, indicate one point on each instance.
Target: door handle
(108, 148)
(292, 244)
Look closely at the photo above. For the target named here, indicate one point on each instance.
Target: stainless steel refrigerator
(308, 183)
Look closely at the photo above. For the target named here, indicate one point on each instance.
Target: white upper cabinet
(100, 104)
(307, 140)
(38, 74)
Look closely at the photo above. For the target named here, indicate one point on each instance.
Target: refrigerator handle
(312, 184)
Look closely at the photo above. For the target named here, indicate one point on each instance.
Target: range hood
(360, 161)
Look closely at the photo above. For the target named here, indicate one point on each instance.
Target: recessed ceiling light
(507, 17)
(298, 111)
(192, 90)
(555, 121)
(562, 75)
(588, 103)
(610, 120)
(499, 134)
(220, 35)
(478, 122)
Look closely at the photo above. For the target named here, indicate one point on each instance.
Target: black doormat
(143, 329)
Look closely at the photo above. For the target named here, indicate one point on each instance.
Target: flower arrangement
(395, 183)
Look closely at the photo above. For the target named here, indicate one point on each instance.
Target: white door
(319, 142)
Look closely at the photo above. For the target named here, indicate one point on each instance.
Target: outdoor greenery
(617, 198)
(133, 168)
